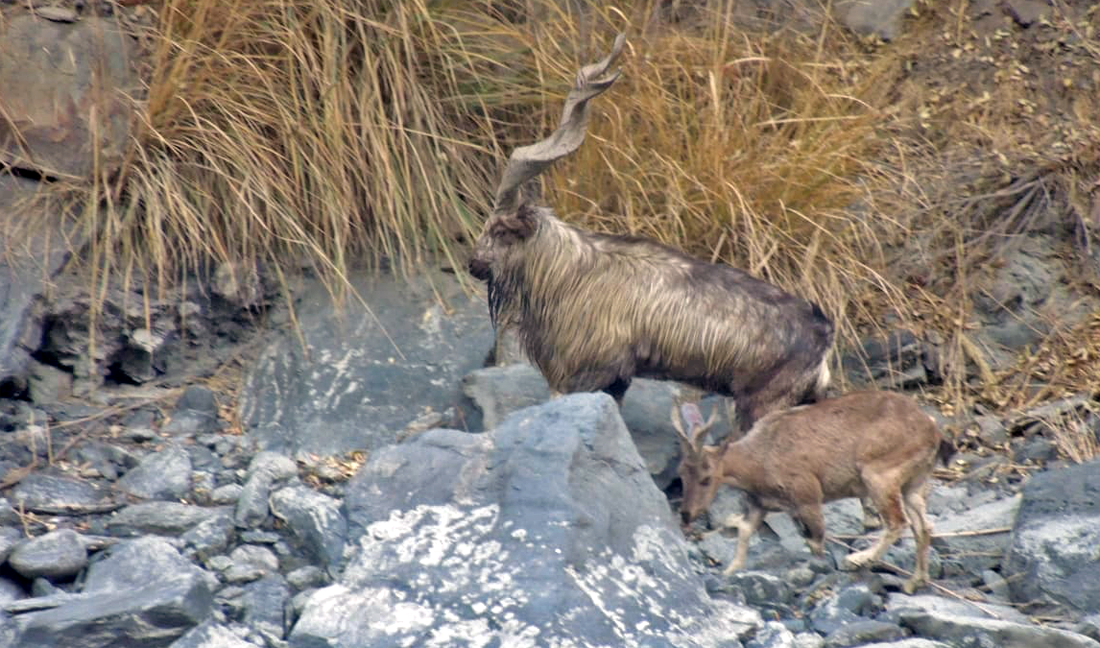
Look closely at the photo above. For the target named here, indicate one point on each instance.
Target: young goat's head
(514, 219)
(699, 464)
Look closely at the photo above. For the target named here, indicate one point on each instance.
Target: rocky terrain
(207, 471)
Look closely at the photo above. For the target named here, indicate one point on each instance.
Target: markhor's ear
(523, 222)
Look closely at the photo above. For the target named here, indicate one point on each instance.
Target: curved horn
(527, 162)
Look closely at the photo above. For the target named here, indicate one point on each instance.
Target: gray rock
(971, 554)
(897, 360)
(228, 494)
(772, 635)
(47, 384)
(519, 532)
(761, 589)
(41, 491)
(151, 614)
(196, 413)
(105, 458)
(914, 642)
(54, 555)
(209, 537)
(209, 634)
(9, 538)
(863, 632)
(23, 280)
(10, 591)
(992, 431)
(882, 18)
(897, 603)
(357, 391)
(266, 470)
(1053, 554)
(306, 577)
(314, 519)
(251, 562)
(850, 605)
(500, 391)
(131, 564)
(170, 518)
(975, 631)
(264, 602)
(1090, 626)
(160, 475)
(55, 76)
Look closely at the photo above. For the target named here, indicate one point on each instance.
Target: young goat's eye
(705, 482)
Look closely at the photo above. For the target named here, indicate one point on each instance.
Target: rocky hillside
(212, 468)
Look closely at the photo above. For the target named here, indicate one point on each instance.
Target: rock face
(55, 76)
(499, 391)
(355, 390)
(547, 527)
(1053, 554)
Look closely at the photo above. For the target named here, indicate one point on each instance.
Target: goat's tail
(946, 450)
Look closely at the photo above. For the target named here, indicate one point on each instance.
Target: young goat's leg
(747, 525)
(813, 520)
(889, 503)
(922, 534)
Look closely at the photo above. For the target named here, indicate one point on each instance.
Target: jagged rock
(55, 75)
(264, 602)
(48, 384)
(227, 494)
(251, 562)
(24, 275)
(42, 491)
(209, 634)
(306, 577)
(106, 459)
(777, 635)
(939, 606)
(356, 391)
(851, 605)
(55, 555)
(761, 589)
(914, 642)
(500, 391)
(266, 470)
(315, 519)
(150, 614)
(196, 413)
(209, 537)
(517, 532)
(10, 591)
(161, 517)
(880, 18)
(9, 538)
(1090, 626)
(131, 564)
(1053, 555)
(976, 631)
(863, 632)
(160, 475)
(896, 361)
(990, 526)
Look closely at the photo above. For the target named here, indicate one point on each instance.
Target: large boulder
(546, 530)
(1053, 553)
(368, 374)
(500, 391)
(25, 271)
(56, 77)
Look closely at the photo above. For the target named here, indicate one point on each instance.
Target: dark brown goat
(875, 444)
(593, 311)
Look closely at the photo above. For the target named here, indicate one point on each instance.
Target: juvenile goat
(593, 311)
(877, 444)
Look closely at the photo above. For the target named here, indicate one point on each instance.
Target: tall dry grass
(322, 133)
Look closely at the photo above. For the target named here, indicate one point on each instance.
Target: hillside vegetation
(887, 181)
